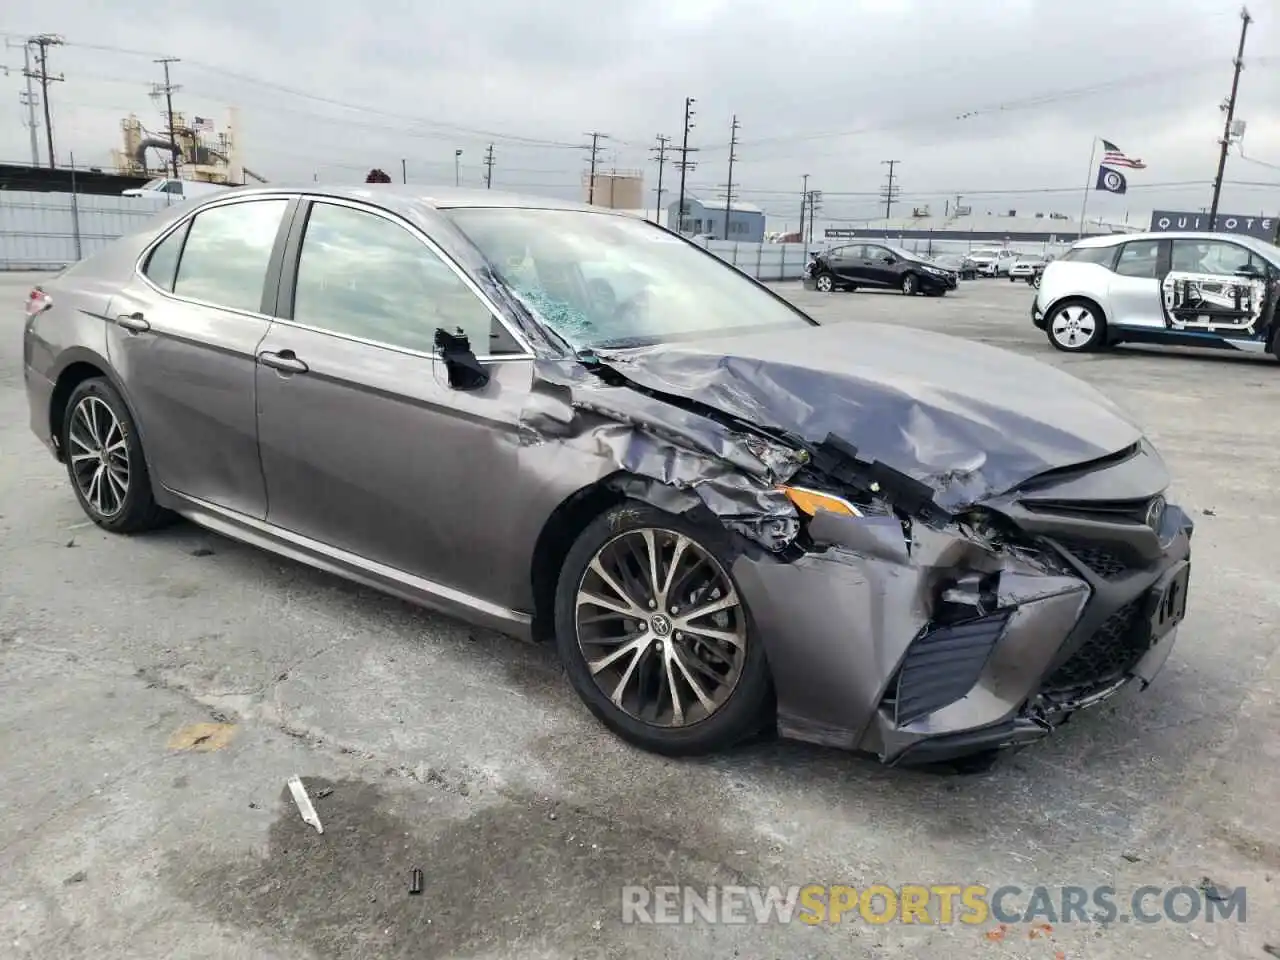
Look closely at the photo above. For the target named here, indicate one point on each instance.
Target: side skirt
(390, 580)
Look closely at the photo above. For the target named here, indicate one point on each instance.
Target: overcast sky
(995, 101)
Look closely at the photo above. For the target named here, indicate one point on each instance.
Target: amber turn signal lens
(811, 501)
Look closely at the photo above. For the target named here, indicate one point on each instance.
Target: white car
(1024, 268)
(1188, 289)
(175, 189)
(993, 261)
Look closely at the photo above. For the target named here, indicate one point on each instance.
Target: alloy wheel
(660, 627)
(909, 284)
(99, 456)
(825, 283)
(1073, 327)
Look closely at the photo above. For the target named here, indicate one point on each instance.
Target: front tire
(825, 283)
(910, 285)
(1076, 326)
(104, 459)
(655, 637)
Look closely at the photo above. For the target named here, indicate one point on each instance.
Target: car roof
(1113, 238)
(403, 197)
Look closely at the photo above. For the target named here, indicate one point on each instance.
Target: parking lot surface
(157, 692)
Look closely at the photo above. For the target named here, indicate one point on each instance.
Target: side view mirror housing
(465, 371)
(889, 259)
(1248, 270)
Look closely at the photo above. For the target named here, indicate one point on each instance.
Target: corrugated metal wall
(47, 231)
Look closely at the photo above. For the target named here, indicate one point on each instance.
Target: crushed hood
(969, 420)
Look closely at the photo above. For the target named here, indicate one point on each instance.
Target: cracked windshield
(610, 281)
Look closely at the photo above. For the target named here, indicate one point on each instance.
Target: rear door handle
(284, 360)
(133, 322)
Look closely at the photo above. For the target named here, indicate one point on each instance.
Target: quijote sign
(1264, 228)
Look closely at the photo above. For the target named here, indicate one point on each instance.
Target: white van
(176, 189)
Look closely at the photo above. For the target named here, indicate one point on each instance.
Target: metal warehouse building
(746, 221)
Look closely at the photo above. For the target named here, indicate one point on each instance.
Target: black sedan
(877, 265)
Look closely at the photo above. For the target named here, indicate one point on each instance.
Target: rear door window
(228, 252)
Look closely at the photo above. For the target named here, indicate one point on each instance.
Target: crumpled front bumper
(862, 658)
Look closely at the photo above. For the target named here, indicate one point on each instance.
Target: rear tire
(642, 642)
(105, 463)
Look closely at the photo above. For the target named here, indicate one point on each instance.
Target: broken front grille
(1110, 562)
(942, 665)
(1107, 655)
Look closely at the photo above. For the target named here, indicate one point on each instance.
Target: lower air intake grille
(1107, 655)
(942, 666)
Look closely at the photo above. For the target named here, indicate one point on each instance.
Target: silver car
(725, 516)
(1188, 289)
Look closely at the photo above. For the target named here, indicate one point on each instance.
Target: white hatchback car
(1191, 289)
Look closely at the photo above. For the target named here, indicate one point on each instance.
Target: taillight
(38, 301)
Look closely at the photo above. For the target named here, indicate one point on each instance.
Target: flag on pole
(1111, 181)
(202, 125)
(1115, 157)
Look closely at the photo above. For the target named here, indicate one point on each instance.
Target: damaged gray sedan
(567, 423)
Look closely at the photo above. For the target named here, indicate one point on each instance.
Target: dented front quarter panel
(837, 622)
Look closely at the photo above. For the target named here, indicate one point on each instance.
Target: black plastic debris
(465, 371)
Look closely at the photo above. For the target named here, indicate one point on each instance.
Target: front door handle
(133, 322)
(284, 360)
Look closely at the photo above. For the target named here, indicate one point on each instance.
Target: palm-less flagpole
(1084, 204)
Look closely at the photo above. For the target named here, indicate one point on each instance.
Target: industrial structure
(197, 149)
(615, 189)
(746, 220)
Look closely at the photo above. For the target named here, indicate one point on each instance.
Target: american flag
(203, 125)
(1115, 157)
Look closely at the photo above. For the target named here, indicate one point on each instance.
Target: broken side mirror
(465, 371)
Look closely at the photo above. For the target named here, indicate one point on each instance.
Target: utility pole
(684, 163)
(457, 168)
(594, 150)
(43, 43)
(1230, 107)
(728, 190)
(404, 170)
(889, 194)
(169, 90)
(815, 204)
(661, 151)
(488, 167)
(29, 100)
(804, 204)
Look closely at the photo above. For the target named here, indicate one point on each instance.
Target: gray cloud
(969, 98)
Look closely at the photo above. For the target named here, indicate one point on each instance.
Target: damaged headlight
(810, 502)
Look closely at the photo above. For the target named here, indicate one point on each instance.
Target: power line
(684, 164)
(890, 192)
(488, 168)
(168, 89)
(728, 190)
(1230, 108)
(43, 42)
(661, 158)
(595, 154)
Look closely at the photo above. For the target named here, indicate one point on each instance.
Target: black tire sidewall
(911, 281)
(749, 707)
(817, 282)
(139, 505)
